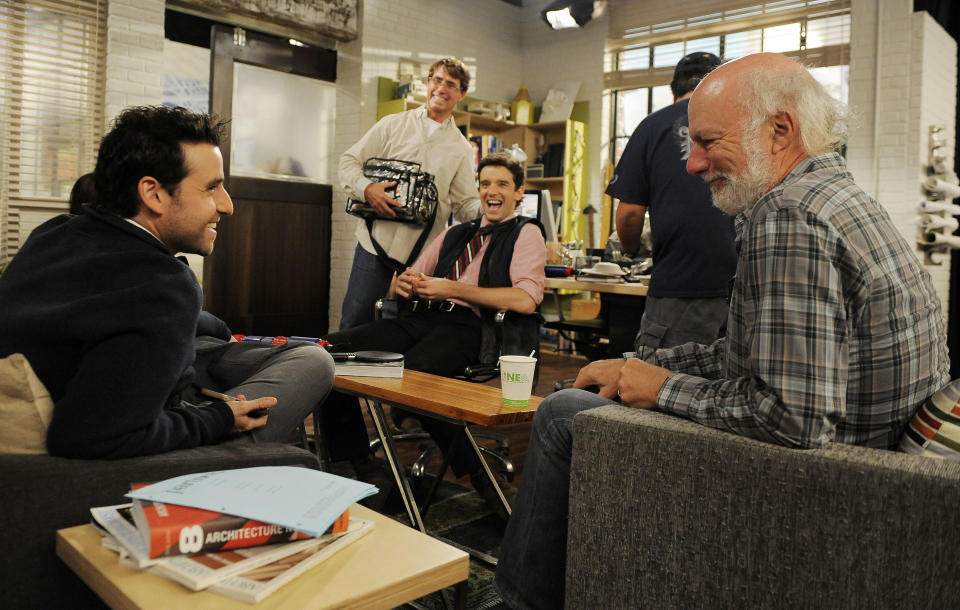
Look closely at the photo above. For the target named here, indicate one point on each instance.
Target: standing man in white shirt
(425, 135)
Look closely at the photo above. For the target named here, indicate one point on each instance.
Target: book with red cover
(171, 529)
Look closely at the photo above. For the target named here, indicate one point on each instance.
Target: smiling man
(426, 135)
(467, 273)
(109, 317)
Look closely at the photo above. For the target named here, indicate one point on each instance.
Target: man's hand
(640, 383)
(437, 288)
(604, 374)
(242, 406)
(376, 196)
(407, 282)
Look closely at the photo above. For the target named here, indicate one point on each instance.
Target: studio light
(562, 14)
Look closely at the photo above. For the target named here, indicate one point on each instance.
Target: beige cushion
(25, 407)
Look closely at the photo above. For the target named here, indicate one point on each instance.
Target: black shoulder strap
(393, 263)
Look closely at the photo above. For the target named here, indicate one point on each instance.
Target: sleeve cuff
(677, 394)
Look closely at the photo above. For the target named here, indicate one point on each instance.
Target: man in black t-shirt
(693, 251)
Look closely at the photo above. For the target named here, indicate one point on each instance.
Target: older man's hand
(604, 374)
(640, 383)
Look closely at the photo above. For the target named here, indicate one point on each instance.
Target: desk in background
(621, 307)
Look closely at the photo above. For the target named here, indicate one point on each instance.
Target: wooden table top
(475, 403)
(388, 567)
(568, 283)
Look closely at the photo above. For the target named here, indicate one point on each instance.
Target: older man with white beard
(835, 333)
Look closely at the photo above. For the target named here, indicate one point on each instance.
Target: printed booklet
(197, 571)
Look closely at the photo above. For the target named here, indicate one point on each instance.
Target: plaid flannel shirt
(835, 332)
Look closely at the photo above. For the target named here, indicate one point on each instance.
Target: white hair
(822, 120)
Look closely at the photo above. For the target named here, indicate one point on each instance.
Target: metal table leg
(383, 431)
(486, 469)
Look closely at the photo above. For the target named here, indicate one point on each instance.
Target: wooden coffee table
(452, 400)
(390, 566)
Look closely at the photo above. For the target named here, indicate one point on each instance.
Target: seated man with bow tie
(467, 273)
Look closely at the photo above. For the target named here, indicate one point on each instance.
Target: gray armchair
(666, 513)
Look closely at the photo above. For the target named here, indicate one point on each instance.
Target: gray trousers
(298, 375)
(668, 322)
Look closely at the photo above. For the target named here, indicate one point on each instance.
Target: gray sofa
(42, 494)
(665, 513)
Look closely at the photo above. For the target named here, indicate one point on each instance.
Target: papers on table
(299, 498)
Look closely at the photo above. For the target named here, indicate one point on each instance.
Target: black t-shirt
(693, 250)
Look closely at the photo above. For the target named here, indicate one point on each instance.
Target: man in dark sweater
(694, 257)
(109, 317)
(467, 273)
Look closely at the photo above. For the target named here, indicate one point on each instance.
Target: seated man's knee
(310, 361)
(565, 404)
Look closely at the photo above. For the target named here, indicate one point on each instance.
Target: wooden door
(270, 271)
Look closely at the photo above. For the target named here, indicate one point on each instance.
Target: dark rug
(459, 516)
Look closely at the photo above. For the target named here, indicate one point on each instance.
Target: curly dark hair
(503, 160)
(146, 141)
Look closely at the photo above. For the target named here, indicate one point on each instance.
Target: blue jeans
(369, 281)
(533, 556)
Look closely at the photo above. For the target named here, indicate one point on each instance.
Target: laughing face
(498, 194)
(443, 94)
(199, 202)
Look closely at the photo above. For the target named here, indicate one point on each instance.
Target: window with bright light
(649, 64)
(51, 112)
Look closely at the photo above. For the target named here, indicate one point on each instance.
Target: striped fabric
(466, 257)
(935, 429)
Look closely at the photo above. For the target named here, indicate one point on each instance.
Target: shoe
(489, 494)
(376, 473)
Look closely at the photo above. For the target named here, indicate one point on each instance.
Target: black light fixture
(562, 14)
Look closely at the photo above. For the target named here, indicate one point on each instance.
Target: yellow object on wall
(574, 184)
(521, 111)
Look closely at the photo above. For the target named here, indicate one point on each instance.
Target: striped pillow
(935, 429)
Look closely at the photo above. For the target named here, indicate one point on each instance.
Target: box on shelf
(492, 110)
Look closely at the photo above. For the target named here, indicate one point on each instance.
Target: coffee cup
(516, 379)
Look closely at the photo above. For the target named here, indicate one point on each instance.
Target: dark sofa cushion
(42, 494)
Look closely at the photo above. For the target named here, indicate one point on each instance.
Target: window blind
(52, 74)
(655, 21)
(644, 53)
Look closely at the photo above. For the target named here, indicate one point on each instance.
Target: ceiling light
(562, 14)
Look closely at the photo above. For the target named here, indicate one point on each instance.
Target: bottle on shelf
(522, 108)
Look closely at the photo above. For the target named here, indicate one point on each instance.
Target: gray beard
(739, 192)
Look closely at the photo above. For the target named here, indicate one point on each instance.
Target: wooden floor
(553, 367)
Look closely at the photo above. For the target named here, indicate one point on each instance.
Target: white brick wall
(134, 55)
(887, 150)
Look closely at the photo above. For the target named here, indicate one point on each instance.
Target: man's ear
(152, 194)
(785, 132)
(520, 194)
